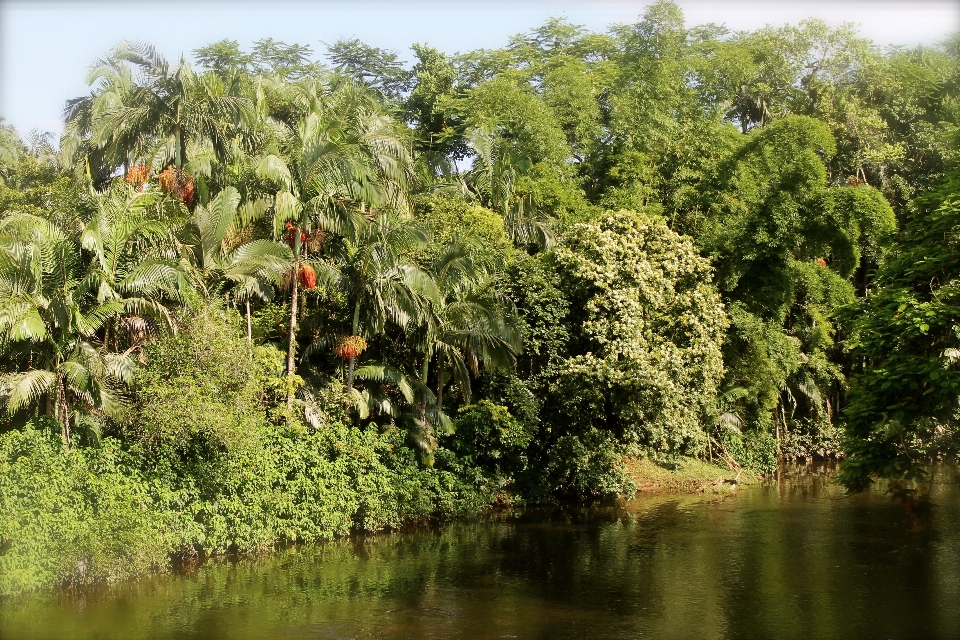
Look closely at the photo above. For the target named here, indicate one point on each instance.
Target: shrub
(587, 466)
(74, 516)
(753, 450)
(489, 436)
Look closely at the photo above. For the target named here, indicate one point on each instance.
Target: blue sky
(47, 47)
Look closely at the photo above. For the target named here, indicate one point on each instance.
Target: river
(791, 558)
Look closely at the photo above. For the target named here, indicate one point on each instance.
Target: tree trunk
(249, 326)
(63, 416)
(178, 135)
(440, 381)
(291, 348)
(353, 359)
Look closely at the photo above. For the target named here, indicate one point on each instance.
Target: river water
(792, 558)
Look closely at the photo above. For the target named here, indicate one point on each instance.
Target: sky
(46, 48)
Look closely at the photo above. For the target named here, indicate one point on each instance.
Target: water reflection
(793, 558)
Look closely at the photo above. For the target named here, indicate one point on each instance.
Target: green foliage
(756, 451)
(75, 516)
(645, 355)
(200, 389)
(584, 466)
(903, 404)
(534, 286)
(448, 218)
(86, 515)
(489, 436)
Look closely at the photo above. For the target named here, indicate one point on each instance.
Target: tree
(376, 68)
(494, 178)
(434, 79)
(132, 261)
(220, 254)
(785, 246)
(646, 323)
(10, 148)
(902, 409)
(341, 159)
(469, 323)
(156, 120)
(381, 285)
(49, 318)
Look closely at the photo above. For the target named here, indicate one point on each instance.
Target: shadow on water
(791, 558)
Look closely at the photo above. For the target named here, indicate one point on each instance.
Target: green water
(790, 559)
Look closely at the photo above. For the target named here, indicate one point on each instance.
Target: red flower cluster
(291, 234)
(307, 277)
(177, 183)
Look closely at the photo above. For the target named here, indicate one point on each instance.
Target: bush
(74, 516)
(753, 450)
(202, 391)
(587, 466)
(489, 436)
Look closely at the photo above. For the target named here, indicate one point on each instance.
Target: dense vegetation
(267, 299)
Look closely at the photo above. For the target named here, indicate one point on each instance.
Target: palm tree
(380, 283)
(338, 161)
(132, 261)
(493, 179)
(158, 118)
(49, 318)
(341, 159)
(421, 415)
(219, 253)
(469, 322)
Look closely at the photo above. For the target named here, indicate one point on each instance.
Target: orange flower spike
(349, 347)
(137, 175)
(307, 277)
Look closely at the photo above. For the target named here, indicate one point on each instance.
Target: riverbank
(101, 514)
(690, 476)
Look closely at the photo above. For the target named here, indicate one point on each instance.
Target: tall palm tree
(337, 161)
(493, 179)
(469, 322)
(49, 318)
(132, 261)
(156, 119)
(381, 284)
(220, 254)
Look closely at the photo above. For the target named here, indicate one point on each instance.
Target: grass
(690, 476)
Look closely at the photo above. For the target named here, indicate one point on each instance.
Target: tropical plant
(903, 408)
(132, 261)
(493, 178)
(49, 319)
(469, 323)
(155, 120)
(222, 255)
(338, 161)
(380, 283)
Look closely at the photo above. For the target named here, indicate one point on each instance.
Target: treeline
(267, 298)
